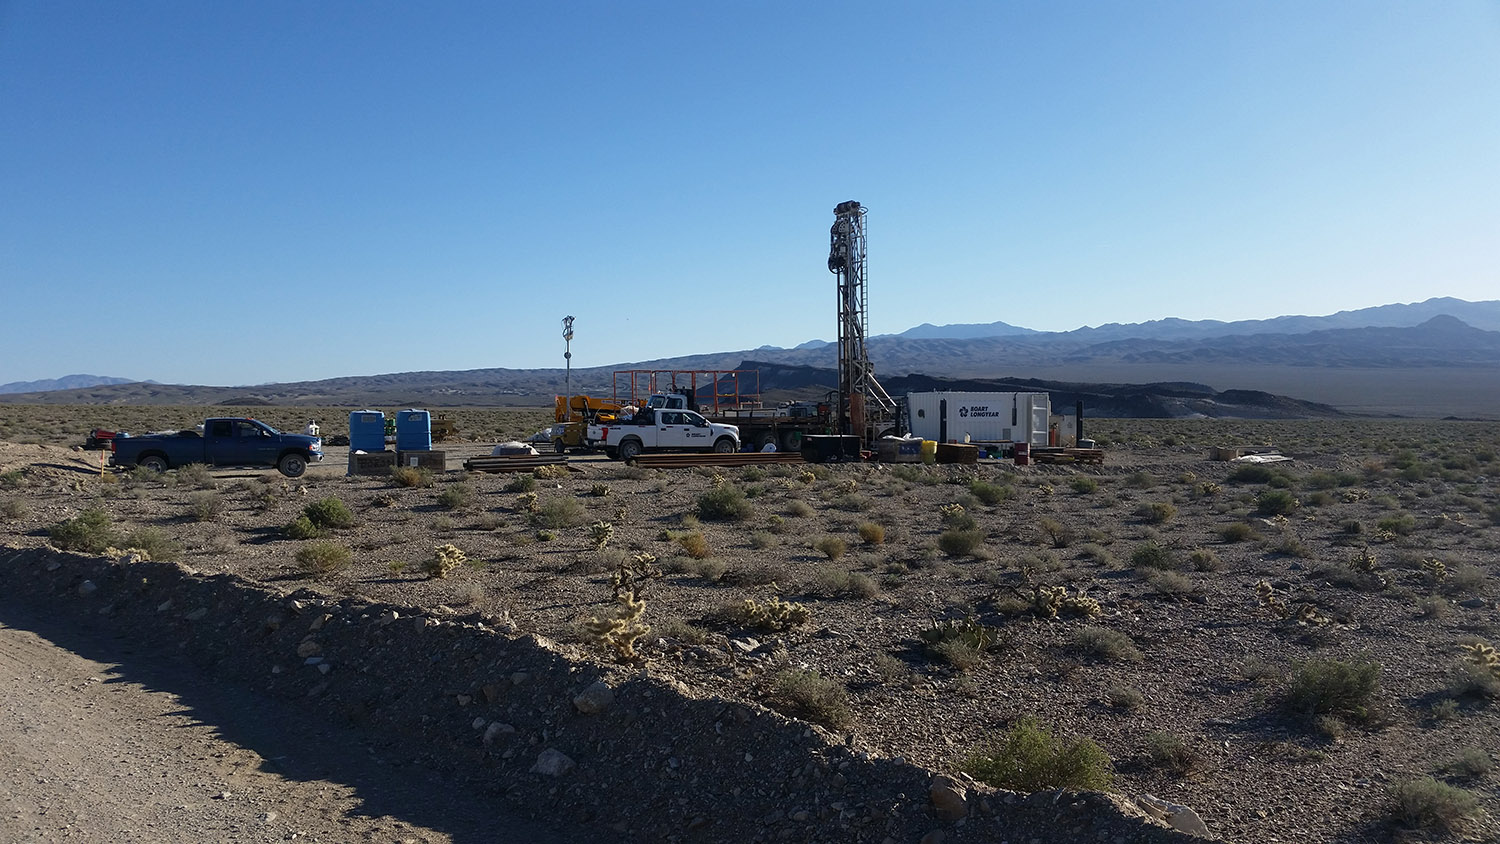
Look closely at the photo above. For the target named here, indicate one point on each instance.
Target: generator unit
(957, 417)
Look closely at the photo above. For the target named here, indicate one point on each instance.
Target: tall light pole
(568, 362)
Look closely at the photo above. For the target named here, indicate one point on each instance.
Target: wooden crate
(373, 463)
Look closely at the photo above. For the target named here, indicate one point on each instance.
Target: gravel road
(102, 742)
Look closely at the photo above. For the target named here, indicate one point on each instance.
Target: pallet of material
(514, 463)
(1094, 456)
(758, 458)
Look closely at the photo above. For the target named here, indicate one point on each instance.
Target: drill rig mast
(864, 408)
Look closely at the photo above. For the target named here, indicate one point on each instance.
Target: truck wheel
(292, 465)
(763, 439)
(630, 450)
(724, 445)
(154, 462)
(791, 440)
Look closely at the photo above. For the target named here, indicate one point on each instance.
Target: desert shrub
(90, 532)
(14, 508)
(1172, 753)
(155, 542)
(871, 533)
(323, 558)
(1237, 532)
(445, 558)
(1083, 485)
(693, 544)
(834, 581)
(1140, 480)
(1029, 758)
(329, 512)
(1256, 473)
(1106, 645)
(14, 479)
(302, 528)
(682, 631)
(411, 476)
(831, 547)
(520, 483)
(1096, 552)
(762, 539)
(1470, 764)
(798, 508)
(1156, 512)
(195, 475)
(456, 496)
(1463, 579)
(1151, 555)
(562, 512)
(724, 504)
(1275, 502)
(989, 493)
(711, 570)
(960, 543)
(1165, 582)
(205, 505)
(1332, 686)
(1400, 524)
(550, 473)
(961, 643)
(1059, 534)
(1287, 544)
(812, 697)
(955, 517)
(1426, 803)
(1124, 697)
(1204, 559)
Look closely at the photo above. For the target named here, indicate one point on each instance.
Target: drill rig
(862, 407)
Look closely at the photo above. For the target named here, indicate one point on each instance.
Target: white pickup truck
(662, 429)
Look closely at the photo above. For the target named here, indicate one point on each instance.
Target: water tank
(367, 431)
(413, 430)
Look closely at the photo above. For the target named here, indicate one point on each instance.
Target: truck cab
(663, 429)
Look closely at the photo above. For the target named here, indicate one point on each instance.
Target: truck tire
(763, 439)
(292, 465)
(154, 462)
(791, 440)
(630, 450)
(724, 445)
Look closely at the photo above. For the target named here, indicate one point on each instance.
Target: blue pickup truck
(235, 441)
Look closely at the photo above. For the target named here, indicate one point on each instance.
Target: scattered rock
(552, 763)
(1181, 818)
(519, 678)
(594, 699)
(495, 730)
(197, 615)
(949, 801)
(87, 588)
(308, 647)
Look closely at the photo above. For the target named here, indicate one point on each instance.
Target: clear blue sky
(238, 193)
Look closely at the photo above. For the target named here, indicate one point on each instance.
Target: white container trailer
(979, 417)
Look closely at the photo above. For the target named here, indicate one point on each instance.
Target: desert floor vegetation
(1296, 651)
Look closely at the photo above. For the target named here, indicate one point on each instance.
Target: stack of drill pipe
(758, 458)
(514, 463)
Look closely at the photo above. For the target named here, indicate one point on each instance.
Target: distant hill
(67, 382)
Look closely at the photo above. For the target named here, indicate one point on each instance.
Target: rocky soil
(1223, 598)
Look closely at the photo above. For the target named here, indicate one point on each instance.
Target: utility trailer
(984, 418)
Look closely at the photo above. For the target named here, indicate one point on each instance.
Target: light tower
(568, 363)
(857, 385)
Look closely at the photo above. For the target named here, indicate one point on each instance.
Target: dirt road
(102, 742)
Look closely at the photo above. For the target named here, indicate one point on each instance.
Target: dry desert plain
(1293, 650)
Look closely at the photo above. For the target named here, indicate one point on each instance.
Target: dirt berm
(508, 717)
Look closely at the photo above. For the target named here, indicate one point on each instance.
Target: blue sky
(274, 191)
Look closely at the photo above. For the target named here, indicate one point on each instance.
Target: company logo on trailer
(978, 410)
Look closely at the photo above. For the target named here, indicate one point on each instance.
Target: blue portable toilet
(413, 430)
(367, 431)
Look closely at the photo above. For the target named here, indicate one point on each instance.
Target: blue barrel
(413, 430)
(367, 431)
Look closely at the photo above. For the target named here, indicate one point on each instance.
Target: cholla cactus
(528, 502)
(1044, 489)
(621, 631)
(601, 532)
(1265, 595)
(951, 512)
(807, 476)
(1483, 655)
(1307, 614)
(1081, 605)
(848, 485)
(1364, 561)
(716, 480)
(444, 559)
(774, 614)
(1208, 489)
(1435, 570)
(599, 490)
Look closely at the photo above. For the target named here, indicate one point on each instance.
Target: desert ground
(1294, 650)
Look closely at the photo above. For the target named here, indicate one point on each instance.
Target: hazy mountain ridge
(67, 382)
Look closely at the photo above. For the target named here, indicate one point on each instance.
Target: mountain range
(1438, 357)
